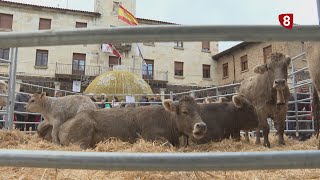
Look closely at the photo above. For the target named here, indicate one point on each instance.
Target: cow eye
(32, 100)
(184, 112)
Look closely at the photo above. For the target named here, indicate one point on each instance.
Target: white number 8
(286, 21)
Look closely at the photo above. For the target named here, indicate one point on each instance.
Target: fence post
(12, 88)
(171, 95)
(217, 93)
(192, 94)
(295, 97)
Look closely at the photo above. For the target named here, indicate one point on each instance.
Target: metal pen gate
(156, 161)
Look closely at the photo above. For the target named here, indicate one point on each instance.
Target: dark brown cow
(227, 118)
(149, 122)
(269, 93)
(313, 58)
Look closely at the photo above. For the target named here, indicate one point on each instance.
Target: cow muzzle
(279, 83)
(199, 130)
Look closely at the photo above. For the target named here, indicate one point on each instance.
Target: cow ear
(288, 60)
(260, 69)
(43, 95)
(238, 101)
(169, 105)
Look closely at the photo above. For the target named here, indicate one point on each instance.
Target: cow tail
(316, 111)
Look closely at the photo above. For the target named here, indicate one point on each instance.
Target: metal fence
(153, 161)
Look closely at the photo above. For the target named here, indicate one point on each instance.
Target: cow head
(277, 72)
(36, 103)
(4, 91)
(187, 116)
(246, 108)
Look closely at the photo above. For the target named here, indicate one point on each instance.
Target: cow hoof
(257, 142)
(281, 142)
(266, 144)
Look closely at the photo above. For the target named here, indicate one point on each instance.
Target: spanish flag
(126, 16)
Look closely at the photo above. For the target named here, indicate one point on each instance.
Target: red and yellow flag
(126, 16)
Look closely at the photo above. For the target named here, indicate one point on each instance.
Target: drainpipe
(234, 69)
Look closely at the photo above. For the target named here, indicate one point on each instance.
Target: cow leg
(55, 131)
(258, 135)
(246, 135)
(280, 118)
(236, 135)
(266, 131)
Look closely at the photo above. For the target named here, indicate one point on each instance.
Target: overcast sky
(214, 12)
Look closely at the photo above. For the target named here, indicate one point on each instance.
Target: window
(148, 68)
(115, 6)
(6, 21)
(206, 46)
(78, 64)
(244, 63)
(178, 68)
(81, 25)
(178, 44)
(113, 60)
(44, 24)
(42, 58)
(266, 52)
(225, 70)
(4, 53)
(206, 71)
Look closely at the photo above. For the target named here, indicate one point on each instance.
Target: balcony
(68, 71)
(123, 46)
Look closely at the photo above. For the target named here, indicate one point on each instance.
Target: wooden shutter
(206, 45)
(6, 21)
(178, 66)
(44, 24)
(78, 56)
(81, 25)
(244, 63)
(225, 70)
(206, 71)
(114, 60)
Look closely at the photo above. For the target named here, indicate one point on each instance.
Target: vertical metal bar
(217, 93)
(295, 97)
(6, 123)
(318, 10)
(171, 95)
(13, 70)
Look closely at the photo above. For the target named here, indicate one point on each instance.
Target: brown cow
(58, 110)
(225, 118)
(149, 122)
(313, 58)
(269, 93)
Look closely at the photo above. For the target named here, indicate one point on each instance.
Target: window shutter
(44, 24)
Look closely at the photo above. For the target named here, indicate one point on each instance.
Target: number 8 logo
(286, 20)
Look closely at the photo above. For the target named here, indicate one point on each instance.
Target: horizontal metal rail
(302, 84)
(297, 56)
(160, 33)
(211, 88)
(121, 161)
(4, 78)
(4, 60)
(302, 69)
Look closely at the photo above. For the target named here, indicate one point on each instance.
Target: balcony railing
(67, 69)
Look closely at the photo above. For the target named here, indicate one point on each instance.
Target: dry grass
(17, 140)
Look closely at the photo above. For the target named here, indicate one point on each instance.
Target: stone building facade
(177, 64)
(238, 62)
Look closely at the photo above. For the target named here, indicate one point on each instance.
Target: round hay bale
(119, 82)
